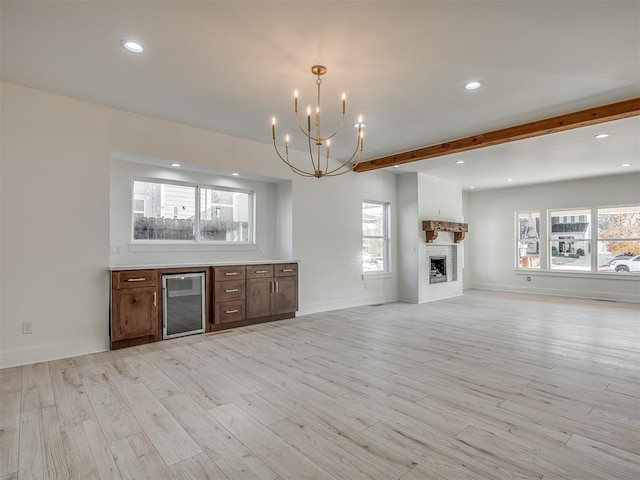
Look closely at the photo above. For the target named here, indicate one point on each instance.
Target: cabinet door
(259, 297)
(135, 313)
(286, 295)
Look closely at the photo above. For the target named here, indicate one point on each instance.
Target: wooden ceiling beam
(583, 118)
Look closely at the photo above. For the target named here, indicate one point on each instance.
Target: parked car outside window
(627, 265)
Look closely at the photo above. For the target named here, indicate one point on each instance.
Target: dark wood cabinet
(236, 295)
(229, 294)
(134, 308)
(272, 290)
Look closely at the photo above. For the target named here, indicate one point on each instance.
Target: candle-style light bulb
(286, 144)
(295, 100)
(360, 119)
(361, 140)
(273, 127)
(328, 148)
(344, 102)
(308, 118)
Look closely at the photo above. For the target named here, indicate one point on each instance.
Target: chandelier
(319, 166)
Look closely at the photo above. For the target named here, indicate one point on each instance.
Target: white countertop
(117, 268)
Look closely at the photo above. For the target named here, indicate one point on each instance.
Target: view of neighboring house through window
(570, 239)
(179, 212)
(375, 237)
(618, 238)
(528, 226)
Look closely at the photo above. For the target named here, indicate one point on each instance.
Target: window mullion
(196, 234)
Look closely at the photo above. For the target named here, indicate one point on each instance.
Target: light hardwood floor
(482, 386)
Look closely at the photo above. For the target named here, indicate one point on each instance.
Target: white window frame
(567, 216)
(593, 241)
(197, 188)
(386, 208)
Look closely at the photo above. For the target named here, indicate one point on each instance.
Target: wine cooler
(183, 311)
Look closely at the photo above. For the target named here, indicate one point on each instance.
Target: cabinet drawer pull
(141, 279)
(230, 274)
(231, 311)
(155, 299)
(287, 269)
(262, 271)
(230, 290)
(277, 287)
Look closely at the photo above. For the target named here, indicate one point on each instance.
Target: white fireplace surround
(449, 251)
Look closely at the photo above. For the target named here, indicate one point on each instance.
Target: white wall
(424, 197)
(122, 176)
(439, 199)
(55, 238)
(490, 242)
(409, 242)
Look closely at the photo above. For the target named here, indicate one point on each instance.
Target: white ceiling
(229, 66)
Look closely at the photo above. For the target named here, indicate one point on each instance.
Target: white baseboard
(593, 295)
(352, 302)
(54, 351)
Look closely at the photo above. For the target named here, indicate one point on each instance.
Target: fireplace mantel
(432, 227)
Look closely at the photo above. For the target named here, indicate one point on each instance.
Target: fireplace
(438, 269)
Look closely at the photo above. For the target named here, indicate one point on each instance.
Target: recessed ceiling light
(473, 85)
(396, 166)
(133, 47)
(235, 174)
(601, 135)
(626, 164)
(176, 165)
(509, 179)
(459, 162)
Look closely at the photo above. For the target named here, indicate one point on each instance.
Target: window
(375, 237)
(528, 231)
(191, 213)
(618, 237)
(570, 240)
(614, 246)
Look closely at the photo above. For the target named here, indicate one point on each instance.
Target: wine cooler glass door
(183, 304)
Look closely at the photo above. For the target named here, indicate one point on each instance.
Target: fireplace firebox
(438, 269)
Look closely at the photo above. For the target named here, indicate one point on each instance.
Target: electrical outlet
(528, 279)
(115, 249)
(27, 328)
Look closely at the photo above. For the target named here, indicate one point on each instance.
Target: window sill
(169, 246)
(376, 275)
(575, 274)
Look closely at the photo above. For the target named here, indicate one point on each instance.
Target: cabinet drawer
(229, 312)
(234, 272)
(286, 269)
(259, 271)
(229, 291)
(135, 279)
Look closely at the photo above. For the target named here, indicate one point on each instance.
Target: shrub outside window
(191, 213)
(375, 237)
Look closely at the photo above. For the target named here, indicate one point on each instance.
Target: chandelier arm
(308, 135)
(337, 129)
(292, 167)
(313, 162)
(347, 161)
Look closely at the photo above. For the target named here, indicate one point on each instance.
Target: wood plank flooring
(481, 386)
